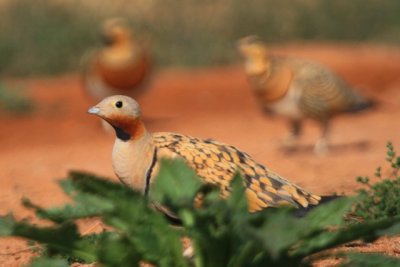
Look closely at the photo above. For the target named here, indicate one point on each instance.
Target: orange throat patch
(132, 129)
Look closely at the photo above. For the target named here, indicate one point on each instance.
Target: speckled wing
(324, 93)
(217, 163)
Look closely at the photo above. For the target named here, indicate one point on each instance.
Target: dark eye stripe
(118, 104)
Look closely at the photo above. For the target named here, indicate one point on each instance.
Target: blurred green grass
(14, 101)
(42, 37)
(45, 37)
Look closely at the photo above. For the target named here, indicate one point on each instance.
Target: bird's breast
(288, 106)
(123, 73)
(131, 160)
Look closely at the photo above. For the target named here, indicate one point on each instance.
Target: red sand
(59, 135)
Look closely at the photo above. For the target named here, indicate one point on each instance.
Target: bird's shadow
(360, 146)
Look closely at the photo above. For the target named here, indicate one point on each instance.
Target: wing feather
(216, 163)
(323, 92)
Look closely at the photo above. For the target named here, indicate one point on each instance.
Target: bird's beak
(94, 110)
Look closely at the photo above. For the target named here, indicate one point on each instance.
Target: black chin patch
(121, 134)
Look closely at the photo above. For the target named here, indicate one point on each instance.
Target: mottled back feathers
(216, 163)
(323, 93)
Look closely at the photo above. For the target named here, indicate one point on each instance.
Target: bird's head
(123, 113)
(114, 31)
(251, 47)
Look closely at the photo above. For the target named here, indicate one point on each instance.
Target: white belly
(131, 160)
(288, 106)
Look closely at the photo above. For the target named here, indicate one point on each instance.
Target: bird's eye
(118, 104)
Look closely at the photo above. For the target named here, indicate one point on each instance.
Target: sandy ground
(40, 148)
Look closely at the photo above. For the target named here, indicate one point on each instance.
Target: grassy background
(50, 36)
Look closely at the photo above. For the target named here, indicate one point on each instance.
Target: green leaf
(61, 239)
(146, 232)
(392, 230)
(85, 206)
(237, 199)
(48, 262)
(176, 185)
(116, 250)
(368, 231)
(329, 214)
(280, 231)
(91, 184)
(7, 224)
(369, 260)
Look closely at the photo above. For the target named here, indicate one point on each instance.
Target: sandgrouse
(136, 156)
(121, 66)
(297, 89)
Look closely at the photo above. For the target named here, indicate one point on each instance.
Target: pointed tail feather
(361, 105)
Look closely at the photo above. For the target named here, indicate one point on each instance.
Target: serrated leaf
(116, 250)
(63, 239)
(329, 214)
(85, 206)
(280, 231)
(176, 185)
(88, 183)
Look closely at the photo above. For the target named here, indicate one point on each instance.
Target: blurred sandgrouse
(297, 89)
(136, 156)
(121, 66)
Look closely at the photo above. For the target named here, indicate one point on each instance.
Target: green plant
(50, 37)
(44, 37)
(47, 262)
(12, 100)
(381, 200)
(222, 231)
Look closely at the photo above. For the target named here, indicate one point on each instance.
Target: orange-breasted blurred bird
(137, 153)
(297, 89)
(121, 66)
